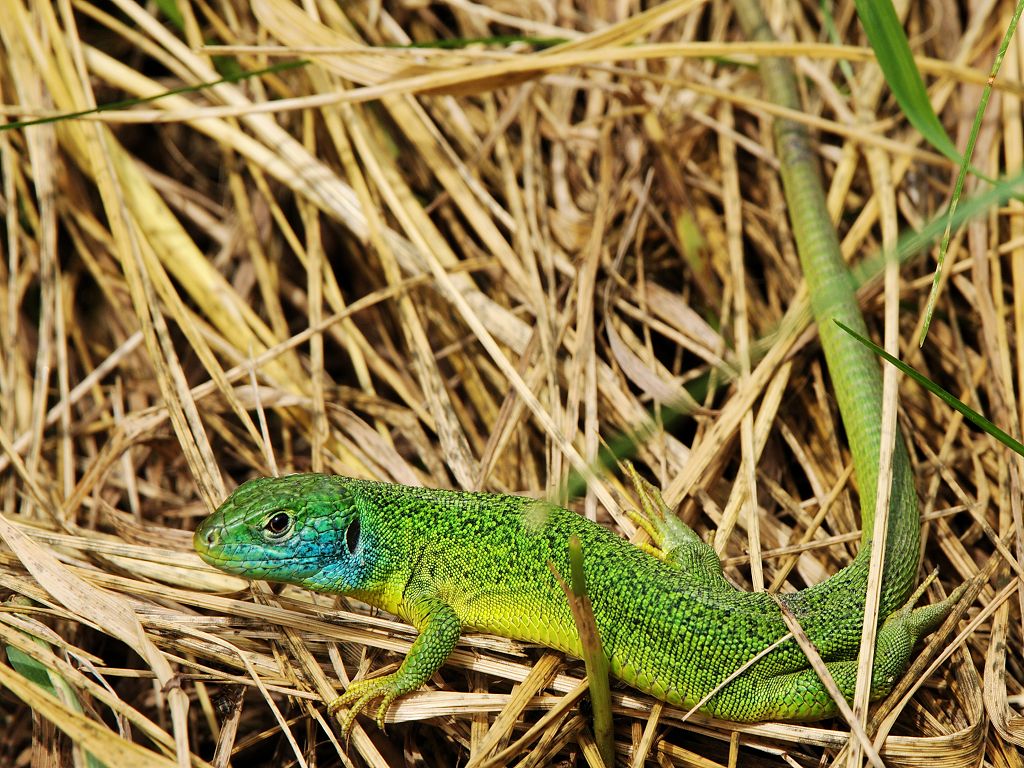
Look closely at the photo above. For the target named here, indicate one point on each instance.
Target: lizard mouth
(253, 562)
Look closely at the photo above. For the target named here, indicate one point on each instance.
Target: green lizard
(673, 627)
(446, 561)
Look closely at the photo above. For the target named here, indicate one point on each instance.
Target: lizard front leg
(439, 630)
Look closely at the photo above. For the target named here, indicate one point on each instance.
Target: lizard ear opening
(352, 535)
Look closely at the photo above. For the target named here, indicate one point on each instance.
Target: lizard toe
(385, 705)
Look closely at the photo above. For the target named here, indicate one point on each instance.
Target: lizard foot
(666, 530)
(920, 621)
(359, 694)
(677, 544)
(902, 629)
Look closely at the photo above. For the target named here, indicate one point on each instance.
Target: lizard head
(295, 529)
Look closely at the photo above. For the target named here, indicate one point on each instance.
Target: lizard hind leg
(800, 695)
(902, 629)
(675, 543)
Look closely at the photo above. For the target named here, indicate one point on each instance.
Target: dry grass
(468, 269)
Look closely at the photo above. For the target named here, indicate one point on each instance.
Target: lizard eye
(278, 524)
(352, 535)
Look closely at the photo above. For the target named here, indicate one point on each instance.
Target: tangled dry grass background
(466, 268)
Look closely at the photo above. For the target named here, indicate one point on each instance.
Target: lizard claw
(665, 529)
(358, 695)
(385, 705)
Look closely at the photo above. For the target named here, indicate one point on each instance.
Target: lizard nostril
(206, 538)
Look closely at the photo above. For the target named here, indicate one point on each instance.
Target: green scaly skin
(446, 562)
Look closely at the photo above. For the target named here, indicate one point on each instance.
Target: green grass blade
(889, 42)
(962, 174)
(912, 242)
(969, 413)
(125, 103)
(829, 23)
(47, 679)
(30, 669)
(594, 658)
(624, 445)
(169, 8)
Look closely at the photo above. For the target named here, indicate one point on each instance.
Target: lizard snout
(206, 538)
